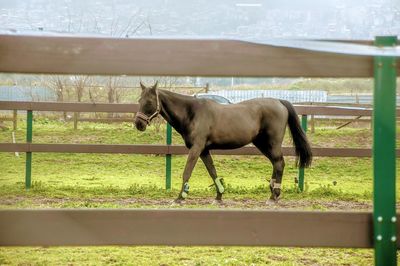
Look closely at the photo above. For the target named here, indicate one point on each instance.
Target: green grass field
(138, 181)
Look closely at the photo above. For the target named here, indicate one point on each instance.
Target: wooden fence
(207, 57)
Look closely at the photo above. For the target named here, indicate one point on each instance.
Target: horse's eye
(148, 105)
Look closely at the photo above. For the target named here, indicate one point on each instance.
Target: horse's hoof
(178, 201)
(273, 199)
(271, 202)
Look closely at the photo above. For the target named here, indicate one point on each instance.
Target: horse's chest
(188, 141)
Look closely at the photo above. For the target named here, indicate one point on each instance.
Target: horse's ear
(142, 85)
(155, 85)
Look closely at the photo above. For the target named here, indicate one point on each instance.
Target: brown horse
(205, 125)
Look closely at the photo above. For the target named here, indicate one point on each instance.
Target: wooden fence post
(207, 88)
(76, 118)
(15, 118)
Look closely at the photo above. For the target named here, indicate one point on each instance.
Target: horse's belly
(231, 139)
(225, 146)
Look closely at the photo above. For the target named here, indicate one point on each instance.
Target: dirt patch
(303, 204)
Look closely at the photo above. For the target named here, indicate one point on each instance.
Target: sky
(343, 19)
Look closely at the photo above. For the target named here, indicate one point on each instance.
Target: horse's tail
(302, 147)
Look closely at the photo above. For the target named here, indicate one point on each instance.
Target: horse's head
(149, 106)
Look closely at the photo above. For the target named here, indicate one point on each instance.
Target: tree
(79, 83)
(59, 86)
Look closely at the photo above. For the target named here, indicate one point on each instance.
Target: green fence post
(384, 155)
(301, 170)
(28, 166)
(168, 158)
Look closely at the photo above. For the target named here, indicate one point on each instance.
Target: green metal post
(301, 170)
(384, 155)
(28, 166)
(168, 159)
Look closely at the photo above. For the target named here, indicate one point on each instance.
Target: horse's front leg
(208, 162)
(193, 156)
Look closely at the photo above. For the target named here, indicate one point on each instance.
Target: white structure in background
(289, 95)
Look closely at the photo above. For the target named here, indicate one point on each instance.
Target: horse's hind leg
(273, 152)
(278, 164)
(208, 162)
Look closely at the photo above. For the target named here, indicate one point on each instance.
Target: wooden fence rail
(172, 57)
(185, 227)
(170, 149)
(70, 107)
(133, 108)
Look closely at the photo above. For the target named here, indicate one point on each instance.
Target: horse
(206, 125)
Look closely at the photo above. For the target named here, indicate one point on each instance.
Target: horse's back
(255, 109)
(269, 107)
(238, 124)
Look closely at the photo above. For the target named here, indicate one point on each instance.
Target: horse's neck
(174, 108)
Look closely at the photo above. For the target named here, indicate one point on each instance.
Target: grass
(137, 181)
(99, 175)
(106, 175)
(184, 256)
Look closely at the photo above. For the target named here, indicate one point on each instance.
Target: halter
(146, 118)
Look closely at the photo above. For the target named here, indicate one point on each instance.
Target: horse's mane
(179, 96)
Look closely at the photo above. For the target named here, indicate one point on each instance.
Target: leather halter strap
(146, 118)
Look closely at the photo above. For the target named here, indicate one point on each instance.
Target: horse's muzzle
(140, 124)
